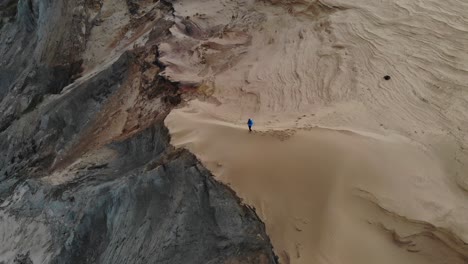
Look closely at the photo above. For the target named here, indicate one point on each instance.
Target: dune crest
(330, 196)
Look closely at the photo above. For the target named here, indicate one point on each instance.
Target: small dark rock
(387, 77)
(23, 259)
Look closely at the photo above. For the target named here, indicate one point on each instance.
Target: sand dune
(384, 179)
(325, 195)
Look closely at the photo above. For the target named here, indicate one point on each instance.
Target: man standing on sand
(250, 124)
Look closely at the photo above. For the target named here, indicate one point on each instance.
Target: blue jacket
(250, 122)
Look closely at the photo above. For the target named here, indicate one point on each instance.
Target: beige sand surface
(386, 181)
(319, 191)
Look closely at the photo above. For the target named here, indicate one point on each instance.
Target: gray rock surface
(87, 174)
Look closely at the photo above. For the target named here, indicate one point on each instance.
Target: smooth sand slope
(386, 181)
(330, 196)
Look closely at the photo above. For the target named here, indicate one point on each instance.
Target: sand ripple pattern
(304, 63)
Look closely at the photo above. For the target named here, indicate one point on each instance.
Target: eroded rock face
(172, 212)
(87, 174)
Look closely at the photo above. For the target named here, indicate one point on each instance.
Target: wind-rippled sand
(344, 166)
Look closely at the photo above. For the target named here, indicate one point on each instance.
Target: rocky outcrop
(87, 174)
(171, 211)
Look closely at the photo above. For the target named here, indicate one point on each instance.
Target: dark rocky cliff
(87, 174)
